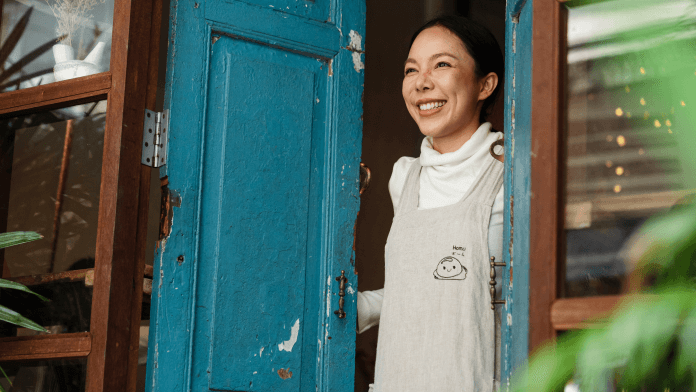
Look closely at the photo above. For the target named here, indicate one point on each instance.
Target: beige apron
(437, 329)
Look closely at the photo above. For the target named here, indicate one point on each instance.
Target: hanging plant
(70, 15)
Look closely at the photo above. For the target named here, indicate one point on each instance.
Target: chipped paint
(355, 46)
(330, 67)
(350, 289)
(284, 373)
(288, 344)
(261, 351)
(509, 320)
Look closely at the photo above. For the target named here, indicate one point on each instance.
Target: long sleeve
(369, 309)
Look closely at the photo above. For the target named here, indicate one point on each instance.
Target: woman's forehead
(437, 40)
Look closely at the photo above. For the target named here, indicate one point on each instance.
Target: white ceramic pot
(73, 69)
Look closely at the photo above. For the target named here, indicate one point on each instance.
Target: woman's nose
(423, 82)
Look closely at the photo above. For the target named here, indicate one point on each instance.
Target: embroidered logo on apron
(450, 268)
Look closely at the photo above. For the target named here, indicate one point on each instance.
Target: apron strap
(409, 193)
(488, 182)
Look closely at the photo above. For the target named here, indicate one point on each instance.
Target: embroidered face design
(450, 268)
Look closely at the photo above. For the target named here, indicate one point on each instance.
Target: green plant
(650, 342)
(8, 315)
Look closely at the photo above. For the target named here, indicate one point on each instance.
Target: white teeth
(431, 105)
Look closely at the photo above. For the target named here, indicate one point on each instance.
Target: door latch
(341, 294)
(493, 283)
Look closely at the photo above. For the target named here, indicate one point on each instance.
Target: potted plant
(70, 15)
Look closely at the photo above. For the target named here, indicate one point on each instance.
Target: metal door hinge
(155, 138)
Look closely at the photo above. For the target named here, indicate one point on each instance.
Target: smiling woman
(448, 220)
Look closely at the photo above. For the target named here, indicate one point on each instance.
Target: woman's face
(440, 88)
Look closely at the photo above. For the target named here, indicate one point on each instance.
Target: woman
(437, 329)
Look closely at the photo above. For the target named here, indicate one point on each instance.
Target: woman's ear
(487, 85)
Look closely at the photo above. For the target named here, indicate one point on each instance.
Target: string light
(668, 123)
(682, 103)
(657, 124)
(642, 101)
(669, 130)
(619, 112)
(642, 70)
(617, 188)
(621, 140)
(608, 163)
(619, 170)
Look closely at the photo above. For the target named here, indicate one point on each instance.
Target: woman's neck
(455, 141)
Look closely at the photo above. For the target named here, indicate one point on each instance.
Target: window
(70, 130)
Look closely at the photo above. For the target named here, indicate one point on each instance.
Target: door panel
(259, 241)
(263, 173)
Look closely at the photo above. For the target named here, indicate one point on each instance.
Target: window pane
(627, 69)
(45, 376)
(31, 28)
(50, 175)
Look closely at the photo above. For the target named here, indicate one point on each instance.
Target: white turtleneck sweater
(444, 180)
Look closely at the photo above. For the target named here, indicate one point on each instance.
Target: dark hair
(481, 46)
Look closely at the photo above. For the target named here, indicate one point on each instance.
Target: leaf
(28, 58)
(15, 318)
(14, 37)
(8, 284)
(6, 378)
(18, 237)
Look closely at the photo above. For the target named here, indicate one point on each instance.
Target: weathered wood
(546, 216)
(73, 345)
(143, 207)
(577, 313)
(117, 254)
(62, 179)
(54, 95)
(67, 276)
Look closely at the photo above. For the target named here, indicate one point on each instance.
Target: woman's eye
(409, 70)
(442, 64)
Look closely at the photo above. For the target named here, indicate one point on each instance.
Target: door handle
(493, 283)
(365, 177)
(341, 294)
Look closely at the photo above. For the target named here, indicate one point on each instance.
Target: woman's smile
(430, 108)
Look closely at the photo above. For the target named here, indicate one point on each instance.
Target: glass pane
(45, 376)
(68, 311)
(53, 40)
(50, 175)
(627, 69)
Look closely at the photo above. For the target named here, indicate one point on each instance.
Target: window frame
(550, 314)
(130, 86)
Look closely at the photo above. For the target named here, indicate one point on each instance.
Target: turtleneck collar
(430, 157)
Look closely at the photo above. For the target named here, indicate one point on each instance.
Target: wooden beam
(71, 345)
(117, 255)
(578, 313)
(547, 184)
(55, 95)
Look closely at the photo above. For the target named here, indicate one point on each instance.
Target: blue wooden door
(263, 171)
(518, 136)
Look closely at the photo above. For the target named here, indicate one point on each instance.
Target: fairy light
(619, 112)
(668, 123)
(642, 70)
(641, 151)
(617, 188)
(669, 131)
(642, 101)
(657, 124)
(682, 103)
(608, 163)
(619, 170)
(621, 140)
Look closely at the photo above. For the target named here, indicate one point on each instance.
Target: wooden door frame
(130, 85)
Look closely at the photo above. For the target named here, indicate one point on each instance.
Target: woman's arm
(369, 309)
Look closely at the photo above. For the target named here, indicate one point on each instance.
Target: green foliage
(8, 315)
(650, 342)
